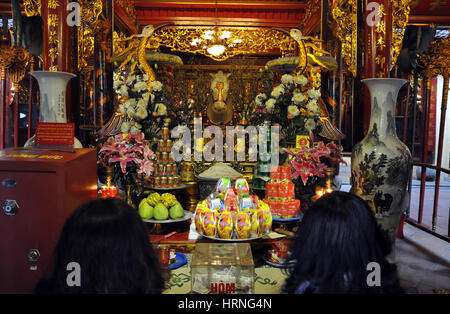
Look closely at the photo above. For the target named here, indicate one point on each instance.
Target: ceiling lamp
(216, 41)
(216, 50)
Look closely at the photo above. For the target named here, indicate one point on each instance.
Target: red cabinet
(38, 192)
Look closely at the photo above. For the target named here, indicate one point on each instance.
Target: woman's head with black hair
(335, 241)
(109, 241)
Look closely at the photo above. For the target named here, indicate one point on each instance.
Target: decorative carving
(18, 68)
(251, 41)
(128, 7)
(118, 42)
(90, 12)
(345, 13)
(400, 14)
(7, 57)
(15, 61)
(32, 7)
(437, 59)
(312, 6)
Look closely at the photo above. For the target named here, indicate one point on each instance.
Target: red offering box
(291, 190)
(285, 173)
(46, 186)
(284, 209)
(275, 173)
(272, 190)
(286, 191)
(291, 209)
(277, 208)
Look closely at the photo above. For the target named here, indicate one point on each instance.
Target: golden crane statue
(135, 52)
(314, 58)
(310, 52)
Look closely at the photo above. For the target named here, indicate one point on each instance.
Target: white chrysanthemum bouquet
(139, 103)
(293, 103)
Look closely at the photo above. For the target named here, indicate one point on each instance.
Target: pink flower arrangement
(311, 161)
(131, 153)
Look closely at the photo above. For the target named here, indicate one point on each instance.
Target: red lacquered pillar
(57, 36)
(3, 107)
(57, 42)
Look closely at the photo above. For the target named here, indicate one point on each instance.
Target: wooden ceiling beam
(229, 13)
(429, 19)
(200, 21)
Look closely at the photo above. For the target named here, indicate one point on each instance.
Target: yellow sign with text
(302, 140)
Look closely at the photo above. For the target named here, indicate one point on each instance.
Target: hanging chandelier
(215, 41)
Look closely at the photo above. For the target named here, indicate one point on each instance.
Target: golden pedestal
(193, 194)
(248, 170)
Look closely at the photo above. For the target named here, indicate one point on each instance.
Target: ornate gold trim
(90, 12)
(15, 61)
(252, 41)
(32, 7)
(128, 6)
(436, 61)
(345, 14)
(18, 69)
(118, 42)
(400, 14)
(311, 8)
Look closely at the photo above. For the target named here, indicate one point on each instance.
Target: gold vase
(128, 198)
(243, 122)
(329, 177)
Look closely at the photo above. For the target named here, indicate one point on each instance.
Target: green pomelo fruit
(176, 211)
(160, 212)
(145, 210)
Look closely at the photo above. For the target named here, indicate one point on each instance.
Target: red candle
(108, 191)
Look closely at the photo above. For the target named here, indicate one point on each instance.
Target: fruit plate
(235, 240)
(180, 260)
(186, 216)
(287, 219)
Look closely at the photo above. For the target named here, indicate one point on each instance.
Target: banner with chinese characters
(53, 24)
(378, 38)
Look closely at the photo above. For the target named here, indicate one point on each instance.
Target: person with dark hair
(110, 243)
(336, 240)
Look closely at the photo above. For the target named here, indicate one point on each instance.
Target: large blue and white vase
(381, 163)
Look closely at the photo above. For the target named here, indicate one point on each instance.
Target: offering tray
(186, 216)
(287, 219)
(180, 187)
(234, 240)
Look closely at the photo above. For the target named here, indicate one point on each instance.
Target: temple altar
(224, 122)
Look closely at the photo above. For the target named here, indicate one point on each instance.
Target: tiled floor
(423, 260)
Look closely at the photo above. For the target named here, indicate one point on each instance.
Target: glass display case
(223, 268)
